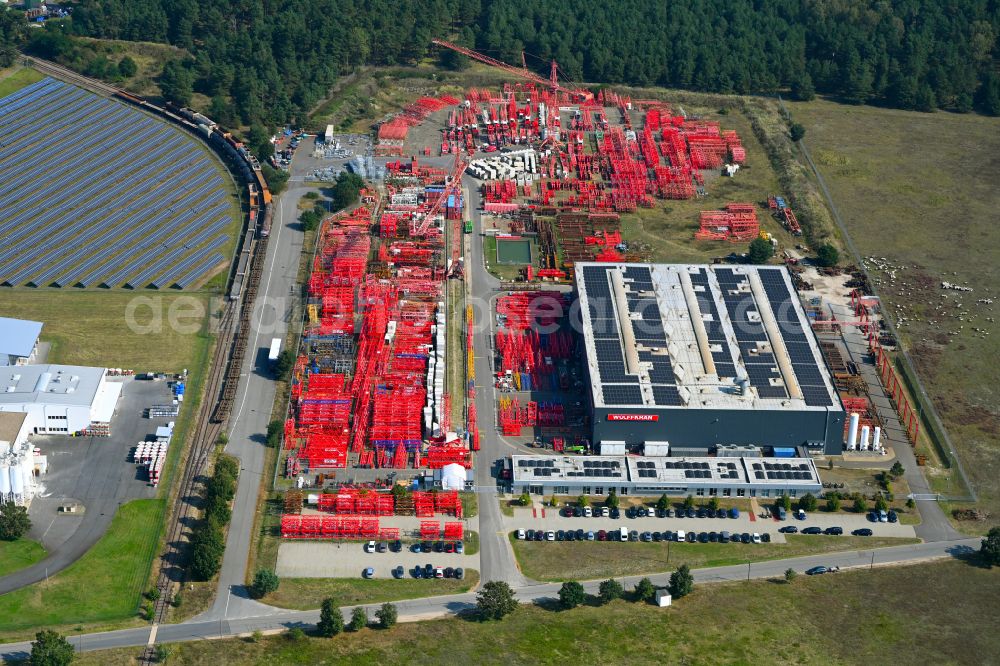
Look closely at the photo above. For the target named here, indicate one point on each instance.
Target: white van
(622, 534)
(680, 536)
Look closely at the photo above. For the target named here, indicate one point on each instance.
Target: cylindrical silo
(16, 480)
(877, 441)
(4, 480)
(852, 432)
(863, 441)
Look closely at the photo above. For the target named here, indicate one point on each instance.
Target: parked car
(588, 512)
(745, 537)
(616, 513)
(460, 547)
(812, 530)
(661, 513)
(591, 536)
(893, 517)
(439, 546)
(398, 572)
(670, 512)
(713, 537)
(449, 547)
(723, 537)
(765, 537)
(864, 531)
(382, 547)
(622, 534)
(703, 537)
(439, 572)
(630, 512)
(782, 514)
(702, 513)
(415, 548)
(560, 535)
(580, 535)
(602, 535)
(459, 573)
(720, 513)
(520, 535)
(668, 535)
(834, 531)
(681, 536)
(605, 512)
(418, 572)
(800, 514)
(396, 546)
(734, 513)
(550, 536)
(539, 535)
(657, 537)
(633, 535)
(690, 513)
(428, 571)
(570, 535)
(816, 571)
(789, 529)
(755, 537)
(567, 512)
(578, 512)
(883, 517)
(680, 513)
(369, 572)
(873, 516)
(370, 547)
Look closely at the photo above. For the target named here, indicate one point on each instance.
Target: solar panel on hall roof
(616, 394)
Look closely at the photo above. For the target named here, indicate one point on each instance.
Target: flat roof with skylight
(679, 336)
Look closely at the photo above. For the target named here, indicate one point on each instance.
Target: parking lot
(323, 559)
(525, 519)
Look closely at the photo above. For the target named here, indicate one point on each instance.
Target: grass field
(13, 79)
(103, 585)
(308, 593)
(570, 560)
(918, 189)
(926, 614)
(91, 327)
(19, 554)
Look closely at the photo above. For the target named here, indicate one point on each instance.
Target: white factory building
(59, 398)
(18, 460)
(18, 341)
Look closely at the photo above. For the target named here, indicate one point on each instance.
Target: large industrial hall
(685, 359)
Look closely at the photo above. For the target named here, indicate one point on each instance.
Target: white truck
(274, 352)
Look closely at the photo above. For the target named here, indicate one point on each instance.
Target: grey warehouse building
(636, 475)
(689, 358)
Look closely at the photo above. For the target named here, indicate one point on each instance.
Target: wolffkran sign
(633, 417)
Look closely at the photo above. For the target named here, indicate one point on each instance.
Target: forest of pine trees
(270, 62)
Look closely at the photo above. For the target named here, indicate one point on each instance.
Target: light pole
(748, 571)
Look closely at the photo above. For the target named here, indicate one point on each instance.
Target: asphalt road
(418, 609)
(252, 407)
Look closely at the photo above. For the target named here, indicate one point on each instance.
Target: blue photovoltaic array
(97, 193)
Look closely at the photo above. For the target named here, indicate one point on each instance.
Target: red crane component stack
(448, 502)
(430, 530)
(439, 456)
(423, 504)
(454, 531)
(737, 223)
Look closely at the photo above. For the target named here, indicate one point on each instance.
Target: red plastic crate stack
(738, 222)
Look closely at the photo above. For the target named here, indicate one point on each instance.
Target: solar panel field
(98, 194)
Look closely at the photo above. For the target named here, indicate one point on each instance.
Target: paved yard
(323, 559)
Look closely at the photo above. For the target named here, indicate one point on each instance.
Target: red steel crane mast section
(455, 180)
(552, 82)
